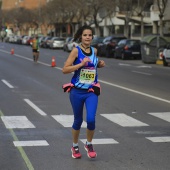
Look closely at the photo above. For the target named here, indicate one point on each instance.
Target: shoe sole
(74, 156)
(88, 155)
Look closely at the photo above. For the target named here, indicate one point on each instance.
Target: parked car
(11, 38)
(166, 55)
(96, 41)
(57, 42)
(66, 42)
(45, 42)
(107, 47)
(71, 44)
(127, 49)
(26, 40)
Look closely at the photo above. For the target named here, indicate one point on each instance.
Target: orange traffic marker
(53, 64)
(12, 51)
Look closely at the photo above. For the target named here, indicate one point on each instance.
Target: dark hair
(79, 32)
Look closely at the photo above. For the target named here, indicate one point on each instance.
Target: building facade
(114, 25)
(29, 4)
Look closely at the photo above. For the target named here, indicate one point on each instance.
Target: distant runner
(35, 48)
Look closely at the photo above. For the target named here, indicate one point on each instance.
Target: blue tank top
(86, 76)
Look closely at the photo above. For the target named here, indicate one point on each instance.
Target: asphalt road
(132, 122)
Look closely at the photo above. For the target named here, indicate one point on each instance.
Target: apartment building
(114, 25)
(29, 4)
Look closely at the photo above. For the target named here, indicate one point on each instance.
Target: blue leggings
(78, 98)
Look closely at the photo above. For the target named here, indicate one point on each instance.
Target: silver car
(57, 42)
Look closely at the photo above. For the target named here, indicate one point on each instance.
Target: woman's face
(87, 37)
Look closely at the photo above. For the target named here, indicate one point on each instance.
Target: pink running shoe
(75, 152)
(90, 151)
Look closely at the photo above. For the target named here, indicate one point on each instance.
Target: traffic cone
(53, 64)
(12, 51)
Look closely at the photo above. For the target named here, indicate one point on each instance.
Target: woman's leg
(77, 104)
(91, 108)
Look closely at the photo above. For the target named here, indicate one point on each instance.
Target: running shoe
(75, 152)
(90, 151)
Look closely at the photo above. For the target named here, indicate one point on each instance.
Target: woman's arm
(101, 63)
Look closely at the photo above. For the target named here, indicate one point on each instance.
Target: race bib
(87, 76)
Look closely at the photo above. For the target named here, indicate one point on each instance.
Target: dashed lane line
(7, 83)
(141, 73)
(35, 107)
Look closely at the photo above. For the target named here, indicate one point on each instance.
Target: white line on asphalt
(101, 141)
(12, 122)
(142, 73)
(144, 66)
(31, 143)
(159, 139)
(163, 115)
(35, 107)
(8, 84)
(124, 120)
(67, 120)
(135, 91)
(111, 84)
(122, 64)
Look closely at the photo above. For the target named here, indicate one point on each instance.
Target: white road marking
(12, 122)
(135, 91)
(35, 107)
(124, 120)
(8, 84)
(67, 120)
(162, 115)
(101, 141)
(143, 66)
(122, 64)
(142, 73)
(111, 84)
(159, 139)
(31, 143)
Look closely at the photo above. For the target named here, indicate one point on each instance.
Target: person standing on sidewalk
(35, 48)
(84, 88)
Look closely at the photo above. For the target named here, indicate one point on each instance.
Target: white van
(166, 55)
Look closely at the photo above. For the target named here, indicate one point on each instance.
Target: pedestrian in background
(84, 88)
(35, 48)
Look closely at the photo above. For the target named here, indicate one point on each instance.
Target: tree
(161, 6)
(142, 6)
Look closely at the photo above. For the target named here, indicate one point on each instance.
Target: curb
(160, 62)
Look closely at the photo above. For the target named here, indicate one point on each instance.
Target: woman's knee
(77, 124)
(91, 125)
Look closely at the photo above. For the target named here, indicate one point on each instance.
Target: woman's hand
(100, 64)
(85, 60)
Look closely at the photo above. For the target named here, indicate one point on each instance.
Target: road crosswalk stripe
(31, 143)
(67, 120)
(159, 139)
(162, 115)
(101, 141)
(12, 122)
(124, 120)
